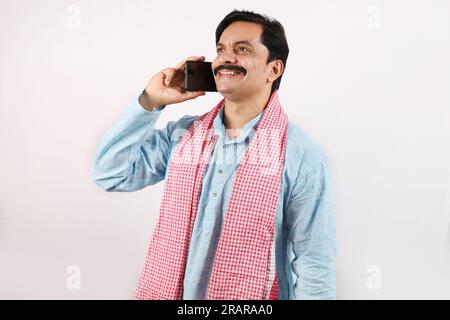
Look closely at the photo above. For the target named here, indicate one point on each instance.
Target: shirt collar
(219, 127)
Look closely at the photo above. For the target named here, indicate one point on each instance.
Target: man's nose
(228, 57)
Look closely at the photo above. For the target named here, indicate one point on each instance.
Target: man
(247, 211)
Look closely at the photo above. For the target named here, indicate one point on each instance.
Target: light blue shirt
(134, 154)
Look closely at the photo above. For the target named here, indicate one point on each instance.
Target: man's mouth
(229, 73)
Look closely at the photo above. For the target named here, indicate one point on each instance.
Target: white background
(368, 80)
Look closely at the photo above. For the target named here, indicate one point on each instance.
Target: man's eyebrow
(237, 42)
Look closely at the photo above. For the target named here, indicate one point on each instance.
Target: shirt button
(214, 194)
(220, 171)
(225, 146)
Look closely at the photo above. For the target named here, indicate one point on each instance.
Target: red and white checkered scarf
(241, 264)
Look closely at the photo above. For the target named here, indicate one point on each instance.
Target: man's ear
(276, 70)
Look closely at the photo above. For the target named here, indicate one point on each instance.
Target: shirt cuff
(136, 106)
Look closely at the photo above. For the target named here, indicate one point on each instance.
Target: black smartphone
(198, 76)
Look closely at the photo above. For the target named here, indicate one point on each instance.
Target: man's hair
(273, 35)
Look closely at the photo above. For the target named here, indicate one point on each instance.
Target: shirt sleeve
(132, 154)
(312, 229)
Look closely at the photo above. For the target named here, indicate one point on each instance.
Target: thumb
(169, 76)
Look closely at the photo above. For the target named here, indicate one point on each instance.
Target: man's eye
(219, 50)
(242, 49)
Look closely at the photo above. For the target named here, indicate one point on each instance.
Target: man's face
(240, 50)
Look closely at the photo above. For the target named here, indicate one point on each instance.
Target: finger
(192, 58)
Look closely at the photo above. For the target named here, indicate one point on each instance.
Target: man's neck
(237, 113)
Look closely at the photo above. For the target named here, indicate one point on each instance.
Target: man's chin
(228, 91)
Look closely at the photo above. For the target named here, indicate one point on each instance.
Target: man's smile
(230, 72)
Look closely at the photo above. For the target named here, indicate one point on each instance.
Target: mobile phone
(198, 76)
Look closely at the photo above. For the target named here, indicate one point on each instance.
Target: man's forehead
(242, 32)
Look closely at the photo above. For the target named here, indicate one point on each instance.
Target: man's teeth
(229, 72)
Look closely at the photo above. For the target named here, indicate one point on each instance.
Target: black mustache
(237, 68)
